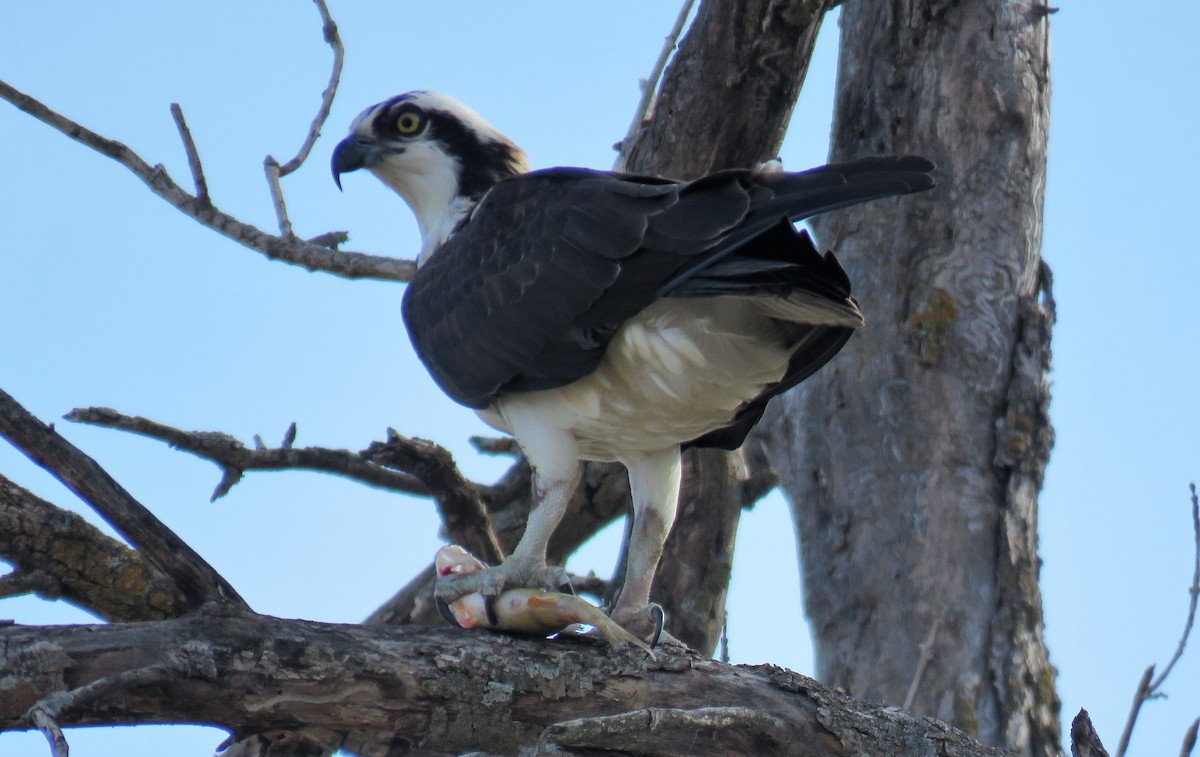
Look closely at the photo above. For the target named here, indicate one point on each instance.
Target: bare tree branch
(198, 580)
(309, 255)
(1148, 687)
(21, 582)
(235, 459)
(1189, 739)
(444, 690)
(193, 155)
(330, 31)
(271, 167)
(50, 729)
(56, 554)
(926, 653)
(649, 85)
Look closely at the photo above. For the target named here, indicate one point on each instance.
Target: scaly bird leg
(553, 455)
(654, 481)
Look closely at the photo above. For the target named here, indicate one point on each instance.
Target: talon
(444, 610)
(522, 610)
(646, 623)
(489, 609)
(656, 612)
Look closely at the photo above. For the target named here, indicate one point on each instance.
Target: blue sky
(111, 297)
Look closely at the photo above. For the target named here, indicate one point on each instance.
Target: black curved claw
(444, 610)
(489, 607)
(659, 619)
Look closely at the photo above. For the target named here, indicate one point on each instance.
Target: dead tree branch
(330, 31)
(194, 577)
(193, 155)
(1189, 739)
(1149, 686)
(649, 85)
(235, 459)
(56, 554)
(437, 691)
(310, 255)
(271, 167)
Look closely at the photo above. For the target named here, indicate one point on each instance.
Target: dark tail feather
(840, 185)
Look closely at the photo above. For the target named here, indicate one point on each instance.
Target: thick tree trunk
(914, 460)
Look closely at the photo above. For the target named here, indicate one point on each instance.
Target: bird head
(435, 152)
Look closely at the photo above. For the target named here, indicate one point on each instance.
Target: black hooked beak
(352, 153)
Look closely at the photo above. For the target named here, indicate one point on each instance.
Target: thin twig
(1189, 739)
(649, 85)
(1193, 590)
(1149, 685)
(1140, 695)
(926, 654)
(271, 167)
(45, 712)
(197, 580)
(309, 255)
(193, 155)
(330, 31)
(234, 458)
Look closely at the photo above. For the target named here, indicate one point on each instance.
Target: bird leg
(556, 473)
(654, 482)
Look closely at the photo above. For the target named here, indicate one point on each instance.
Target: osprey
(608, 316)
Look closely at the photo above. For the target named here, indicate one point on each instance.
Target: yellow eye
(409, 123)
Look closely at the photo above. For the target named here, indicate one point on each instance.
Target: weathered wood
(81, 564)
(914, 459)
(439, 691)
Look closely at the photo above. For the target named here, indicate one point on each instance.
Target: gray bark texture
(913, 461)
(437, 691)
